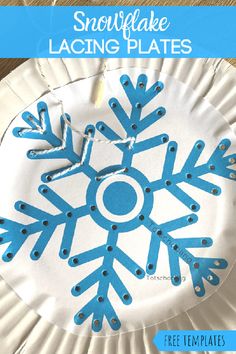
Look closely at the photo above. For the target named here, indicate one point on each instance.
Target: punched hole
(96, 323)
(222, 146)
(69, 214)
(93, 207)
(164, 139)
(150, 266)
(2, 221)
(100, 299)
(9, 255)
(204, 242)
(147, 190)
(167, 182)
(138, 271)
(109, 248)
(101, 127)
(81, 315)
(45, 223)
(22, 206)
(113, 320)
(114, 227)
(196, 265)
(197, 289)
(104, 273)
(214, 191)
(64, 251)
(199, 146)
(134, 126)
(126, 297)
(23, 231)
(212, 167)
(141, 217)
(138, 105)
(36, 254)
(49, 178)
(75, 260)
(77, 288)
(159, 232)
(176, 279)
(141, 85)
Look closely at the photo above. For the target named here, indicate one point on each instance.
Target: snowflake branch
(150, 143)
(61, 148)
(190, 173)
(128, 263)
(111, 135)
(134, 125)
(46, 224)
(41, 127)
(64, 150)
(140, 93)
(120, 288)
(200, 268)
(105, 276)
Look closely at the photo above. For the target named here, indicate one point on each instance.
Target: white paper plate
(37, 307)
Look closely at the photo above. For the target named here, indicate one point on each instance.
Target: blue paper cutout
(178, 248)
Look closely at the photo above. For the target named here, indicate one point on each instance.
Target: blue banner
(188, 341)
(113, 31)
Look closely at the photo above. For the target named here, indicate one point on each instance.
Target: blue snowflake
(119, 198)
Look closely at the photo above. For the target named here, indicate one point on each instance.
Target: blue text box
(113, 31)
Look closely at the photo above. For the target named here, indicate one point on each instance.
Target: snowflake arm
(200, 268)
(140, 94)
(40, 128)
(105, 276)
(134, 125)
(158, 230)
(16, 234)
(64, 150)
(190, 173)
(82, 166)
(61, 148)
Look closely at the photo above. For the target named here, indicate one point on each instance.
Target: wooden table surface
(7, 65)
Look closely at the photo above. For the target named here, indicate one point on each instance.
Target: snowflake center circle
(120, 198)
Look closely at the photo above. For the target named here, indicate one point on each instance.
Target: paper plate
(104, 244)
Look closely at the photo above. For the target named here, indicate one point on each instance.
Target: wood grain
(7, 65)
(121, 2)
